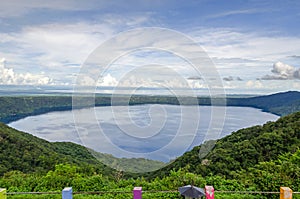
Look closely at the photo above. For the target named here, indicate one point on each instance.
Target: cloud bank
(9, 77)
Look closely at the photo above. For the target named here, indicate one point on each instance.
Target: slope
(279, 103)
(242, 149)
(27, 153)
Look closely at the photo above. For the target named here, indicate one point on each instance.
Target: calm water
(160, 132)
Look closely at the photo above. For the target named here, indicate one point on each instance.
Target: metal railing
(4, 194)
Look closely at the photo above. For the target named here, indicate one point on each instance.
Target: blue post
(137, 193)
(67, 193)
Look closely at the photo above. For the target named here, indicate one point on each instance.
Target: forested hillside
(27, 153)
(243, 149)
(279, 103)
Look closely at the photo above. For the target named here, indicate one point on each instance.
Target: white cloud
(63, 43)
(283, 71)
(107, 80)
(234, 44)
(57, 49)
(9, 77)
(254, 84)
(15, 8)
(237, 12)
(148, 76)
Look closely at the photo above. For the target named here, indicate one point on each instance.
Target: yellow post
(286, 193)
(2, 193)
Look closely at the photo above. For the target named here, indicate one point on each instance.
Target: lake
(160, 132)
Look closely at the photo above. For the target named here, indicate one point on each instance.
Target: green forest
(260, 158)
(16, 107)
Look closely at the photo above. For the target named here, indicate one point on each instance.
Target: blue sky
(255, 44)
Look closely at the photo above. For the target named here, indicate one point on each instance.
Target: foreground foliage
(265, 176)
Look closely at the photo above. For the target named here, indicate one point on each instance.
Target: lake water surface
(160, 132)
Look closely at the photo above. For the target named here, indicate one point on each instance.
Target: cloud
(295, 56)
(194, 78)
(254, 84)
(60, 48)
(108, 80)
(283, 71)
(57, 49)
(15, 8)
(245, 47)
(231, 78)
(228, 79)
(149, 76)
(9, 77)
(237, 12)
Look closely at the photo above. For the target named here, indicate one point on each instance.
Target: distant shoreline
(18, 107)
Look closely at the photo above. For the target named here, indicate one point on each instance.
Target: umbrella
(191, 191)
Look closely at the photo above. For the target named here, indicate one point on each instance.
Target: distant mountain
(13, 108)
(242, 149)
(27, 153)
(279, 103)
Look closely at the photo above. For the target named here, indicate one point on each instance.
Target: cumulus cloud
(282, 71)
(151, 76)
(107, 80)
(9, 77)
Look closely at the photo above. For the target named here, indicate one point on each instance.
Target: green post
(2, 193)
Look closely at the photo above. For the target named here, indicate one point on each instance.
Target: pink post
(137, 193)
(209, 192)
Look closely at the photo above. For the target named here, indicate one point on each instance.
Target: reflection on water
(138, 131)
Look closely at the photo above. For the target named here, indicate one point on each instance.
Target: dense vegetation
(17, 107)
(265, 176)
(243, 149)
(279, 103)
(27, 153)
(260, 158)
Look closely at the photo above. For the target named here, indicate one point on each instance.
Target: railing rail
(130, 192)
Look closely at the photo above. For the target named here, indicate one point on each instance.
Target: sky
(254, 45)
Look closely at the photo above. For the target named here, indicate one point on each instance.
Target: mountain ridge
(18, 107)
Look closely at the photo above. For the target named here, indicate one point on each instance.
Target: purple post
(137, 193)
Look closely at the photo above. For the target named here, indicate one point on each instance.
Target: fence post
(286, 193)
(137, 193)
(2, 193)
(209, 192)
(67, 193)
